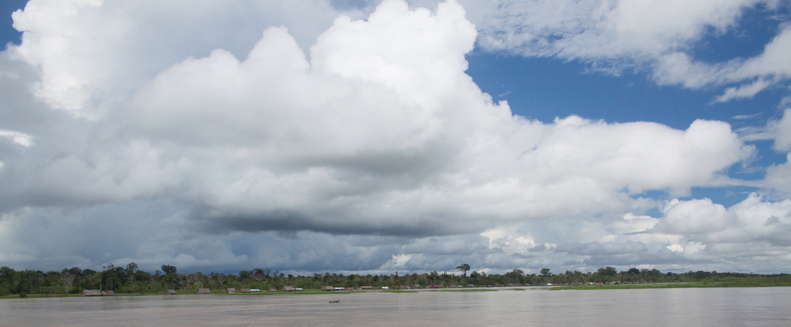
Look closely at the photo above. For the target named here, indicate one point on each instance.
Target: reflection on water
(650, 307)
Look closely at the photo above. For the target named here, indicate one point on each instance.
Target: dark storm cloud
(292, 221)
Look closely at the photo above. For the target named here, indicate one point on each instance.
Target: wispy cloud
(613, 36)
(17, 137)
(745, 117)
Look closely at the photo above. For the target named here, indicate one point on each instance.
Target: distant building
(327, 288)
(230, 290)
(288, 288)
(204, 291)
(108, 293)
(170, 292)
(366, 288)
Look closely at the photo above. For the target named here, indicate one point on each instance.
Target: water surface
(648, 307)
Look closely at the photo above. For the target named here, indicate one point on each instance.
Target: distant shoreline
(707, 284)
(306, 292)
(701, 284)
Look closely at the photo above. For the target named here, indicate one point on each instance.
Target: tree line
(130, 279)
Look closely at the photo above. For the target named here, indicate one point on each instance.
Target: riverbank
(723, 282)
(305, 292)
(184, 292)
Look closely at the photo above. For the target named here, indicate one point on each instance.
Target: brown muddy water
(769, 306)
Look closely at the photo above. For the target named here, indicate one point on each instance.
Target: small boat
(335, 301)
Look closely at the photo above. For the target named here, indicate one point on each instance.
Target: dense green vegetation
(713, 281)
(130, 280)
(707, 280)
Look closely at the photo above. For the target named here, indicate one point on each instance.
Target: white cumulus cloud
(341, 137)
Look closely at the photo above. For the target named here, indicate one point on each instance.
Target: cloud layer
(352, 144)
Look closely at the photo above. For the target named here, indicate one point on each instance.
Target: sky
(396, 136)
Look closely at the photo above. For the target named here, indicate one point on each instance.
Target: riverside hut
(170, 292)
(204, 291)
(91, 293)
(366, 288)
(327, 288)
(230, 290)
(108, 293)
(288, 288)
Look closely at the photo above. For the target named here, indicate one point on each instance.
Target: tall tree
(169, 270)
(67, 279)
(464, 268)
(131, 269)
(608, 271)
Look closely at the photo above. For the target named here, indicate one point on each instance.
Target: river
(768, 306)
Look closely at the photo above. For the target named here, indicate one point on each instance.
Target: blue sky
(8, 33)
(374, 136)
